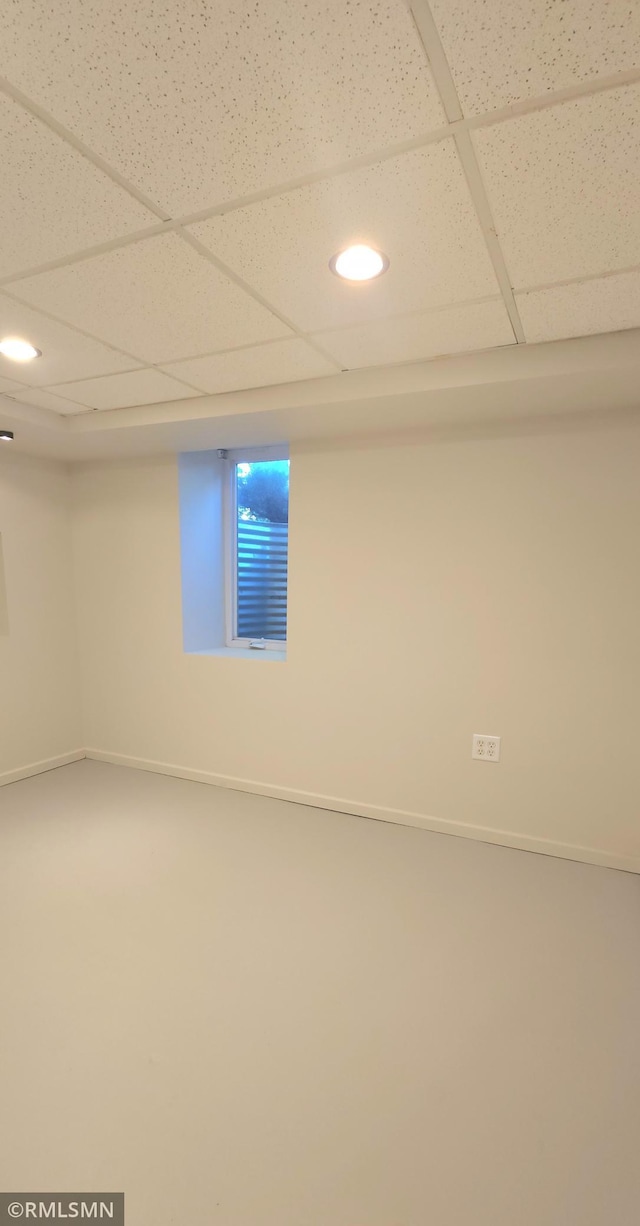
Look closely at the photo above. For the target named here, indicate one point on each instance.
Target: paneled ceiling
(176, 175)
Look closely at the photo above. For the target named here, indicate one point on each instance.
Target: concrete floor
(245, 1012)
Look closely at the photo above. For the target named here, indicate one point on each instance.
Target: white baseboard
(481, 834)
(335, 804)
(38, 768)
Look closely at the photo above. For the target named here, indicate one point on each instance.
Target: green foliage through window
(263, 491)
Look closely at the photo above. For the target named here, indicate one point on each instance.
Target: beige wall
(437, 588)
(39, 716)
(242, 1011)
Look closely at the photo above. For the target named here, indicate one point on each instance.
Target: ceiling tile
(606, 304)
(504, 52)
(280, 362)
(47, 400)
(66, 354)
(7, 385)
(54, 202)
(458, 329)
(124, 391)
(157, 298)
(564, 184)
(416, 208)
(228, 98)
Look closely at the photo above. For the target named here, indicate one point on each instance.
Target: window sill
(243, 653)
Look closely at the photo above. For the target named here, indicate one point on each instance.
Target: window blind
(262, 580)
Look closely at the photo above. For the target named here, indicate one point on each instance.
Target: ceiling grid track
(445, 85)
(39, 113)
(88, 253)
(456, 126)
(570, 93)
(140, 365)
(248, 289)
(57, 319)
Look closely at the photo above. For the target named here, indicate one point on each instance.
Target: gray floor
(250, 1013)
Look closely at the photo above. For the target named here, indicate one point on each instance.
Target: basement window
(256, 529)
(234, 535)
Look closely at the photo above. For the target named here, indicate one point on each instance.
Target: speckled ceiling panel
(564, 184)
(201, 102)
(66, 354)
(415, 207)
(157, 298)
(7, 385)
(459, 329)
(53, 201)
(123, 391)
(261, 365)
(606, 304)
(43, 399)
(503, 51)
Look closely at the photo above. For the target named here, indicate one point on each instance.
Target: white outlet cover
(485, 747)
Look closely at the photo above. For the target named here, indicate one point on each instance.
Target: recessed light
(18, 350)
(6, 436)
(359, 263)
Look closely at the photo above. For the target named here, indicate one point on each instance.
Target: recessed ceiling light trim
(359, 264)
(6, 436)
(18, 350)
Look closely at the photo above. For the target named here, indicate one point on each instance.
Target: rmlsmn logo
(105, 1207)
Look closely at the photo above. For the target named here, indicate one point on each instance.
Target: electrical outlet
(485, 748)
